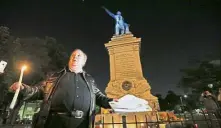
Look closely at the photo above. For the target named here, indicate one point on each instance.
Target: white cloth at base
(130, 103)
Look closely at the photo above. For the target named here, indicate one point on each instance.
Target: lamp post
(181, 101)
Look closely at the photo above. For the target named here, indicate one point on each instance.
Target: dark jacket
(44, 91)
(210, 102)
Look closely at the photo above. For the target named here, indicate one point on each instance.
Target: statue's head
(118, 13)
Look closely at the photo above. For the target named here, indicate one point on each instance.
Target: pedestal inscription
(124, 65)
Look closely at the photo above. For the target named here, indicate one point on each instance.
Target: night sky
(173, 32)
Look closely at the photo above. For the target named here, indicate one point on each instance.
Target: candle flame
(23, 67)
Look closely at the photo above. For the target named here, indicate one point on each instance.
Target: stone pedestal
(126, 76)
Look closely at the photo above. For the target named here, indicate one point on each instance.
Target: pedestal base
(139, 88)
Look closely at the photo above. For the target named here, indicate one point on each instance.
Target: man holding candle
(69, 96)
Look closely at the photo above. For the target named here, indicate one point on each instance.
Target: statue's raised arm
(108, 12)
(120, 26)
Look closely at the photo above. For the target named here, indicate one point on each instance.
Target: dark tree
(40, 55)
(198, 78)
(162, 102)
(172, 100)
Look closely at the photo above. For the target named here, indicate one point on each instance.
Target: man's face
(207, 93)
(77, 60)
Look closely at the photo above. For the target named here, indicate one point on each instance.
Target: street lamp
(210, 86)
(181, 101)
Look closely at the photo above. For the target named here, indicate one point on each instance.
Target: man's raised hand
(15, 86)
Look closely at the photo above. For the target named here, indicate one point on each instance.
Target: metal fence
(183, 120)
(150, 120)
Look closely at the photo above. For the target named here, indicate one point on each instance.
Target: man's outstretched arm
(30, 92)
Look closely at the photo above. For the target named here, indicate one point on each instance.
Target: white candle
(18, 89)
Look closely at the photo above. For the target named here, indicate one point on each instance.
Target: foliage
(41, 56)
(4, 35)
(169, 102)
(172, 100)
(98, 109)
(57, 53)
(198, 78)
(162, 102)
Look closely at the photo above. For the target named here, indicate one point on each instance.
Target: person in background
(211, 104)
